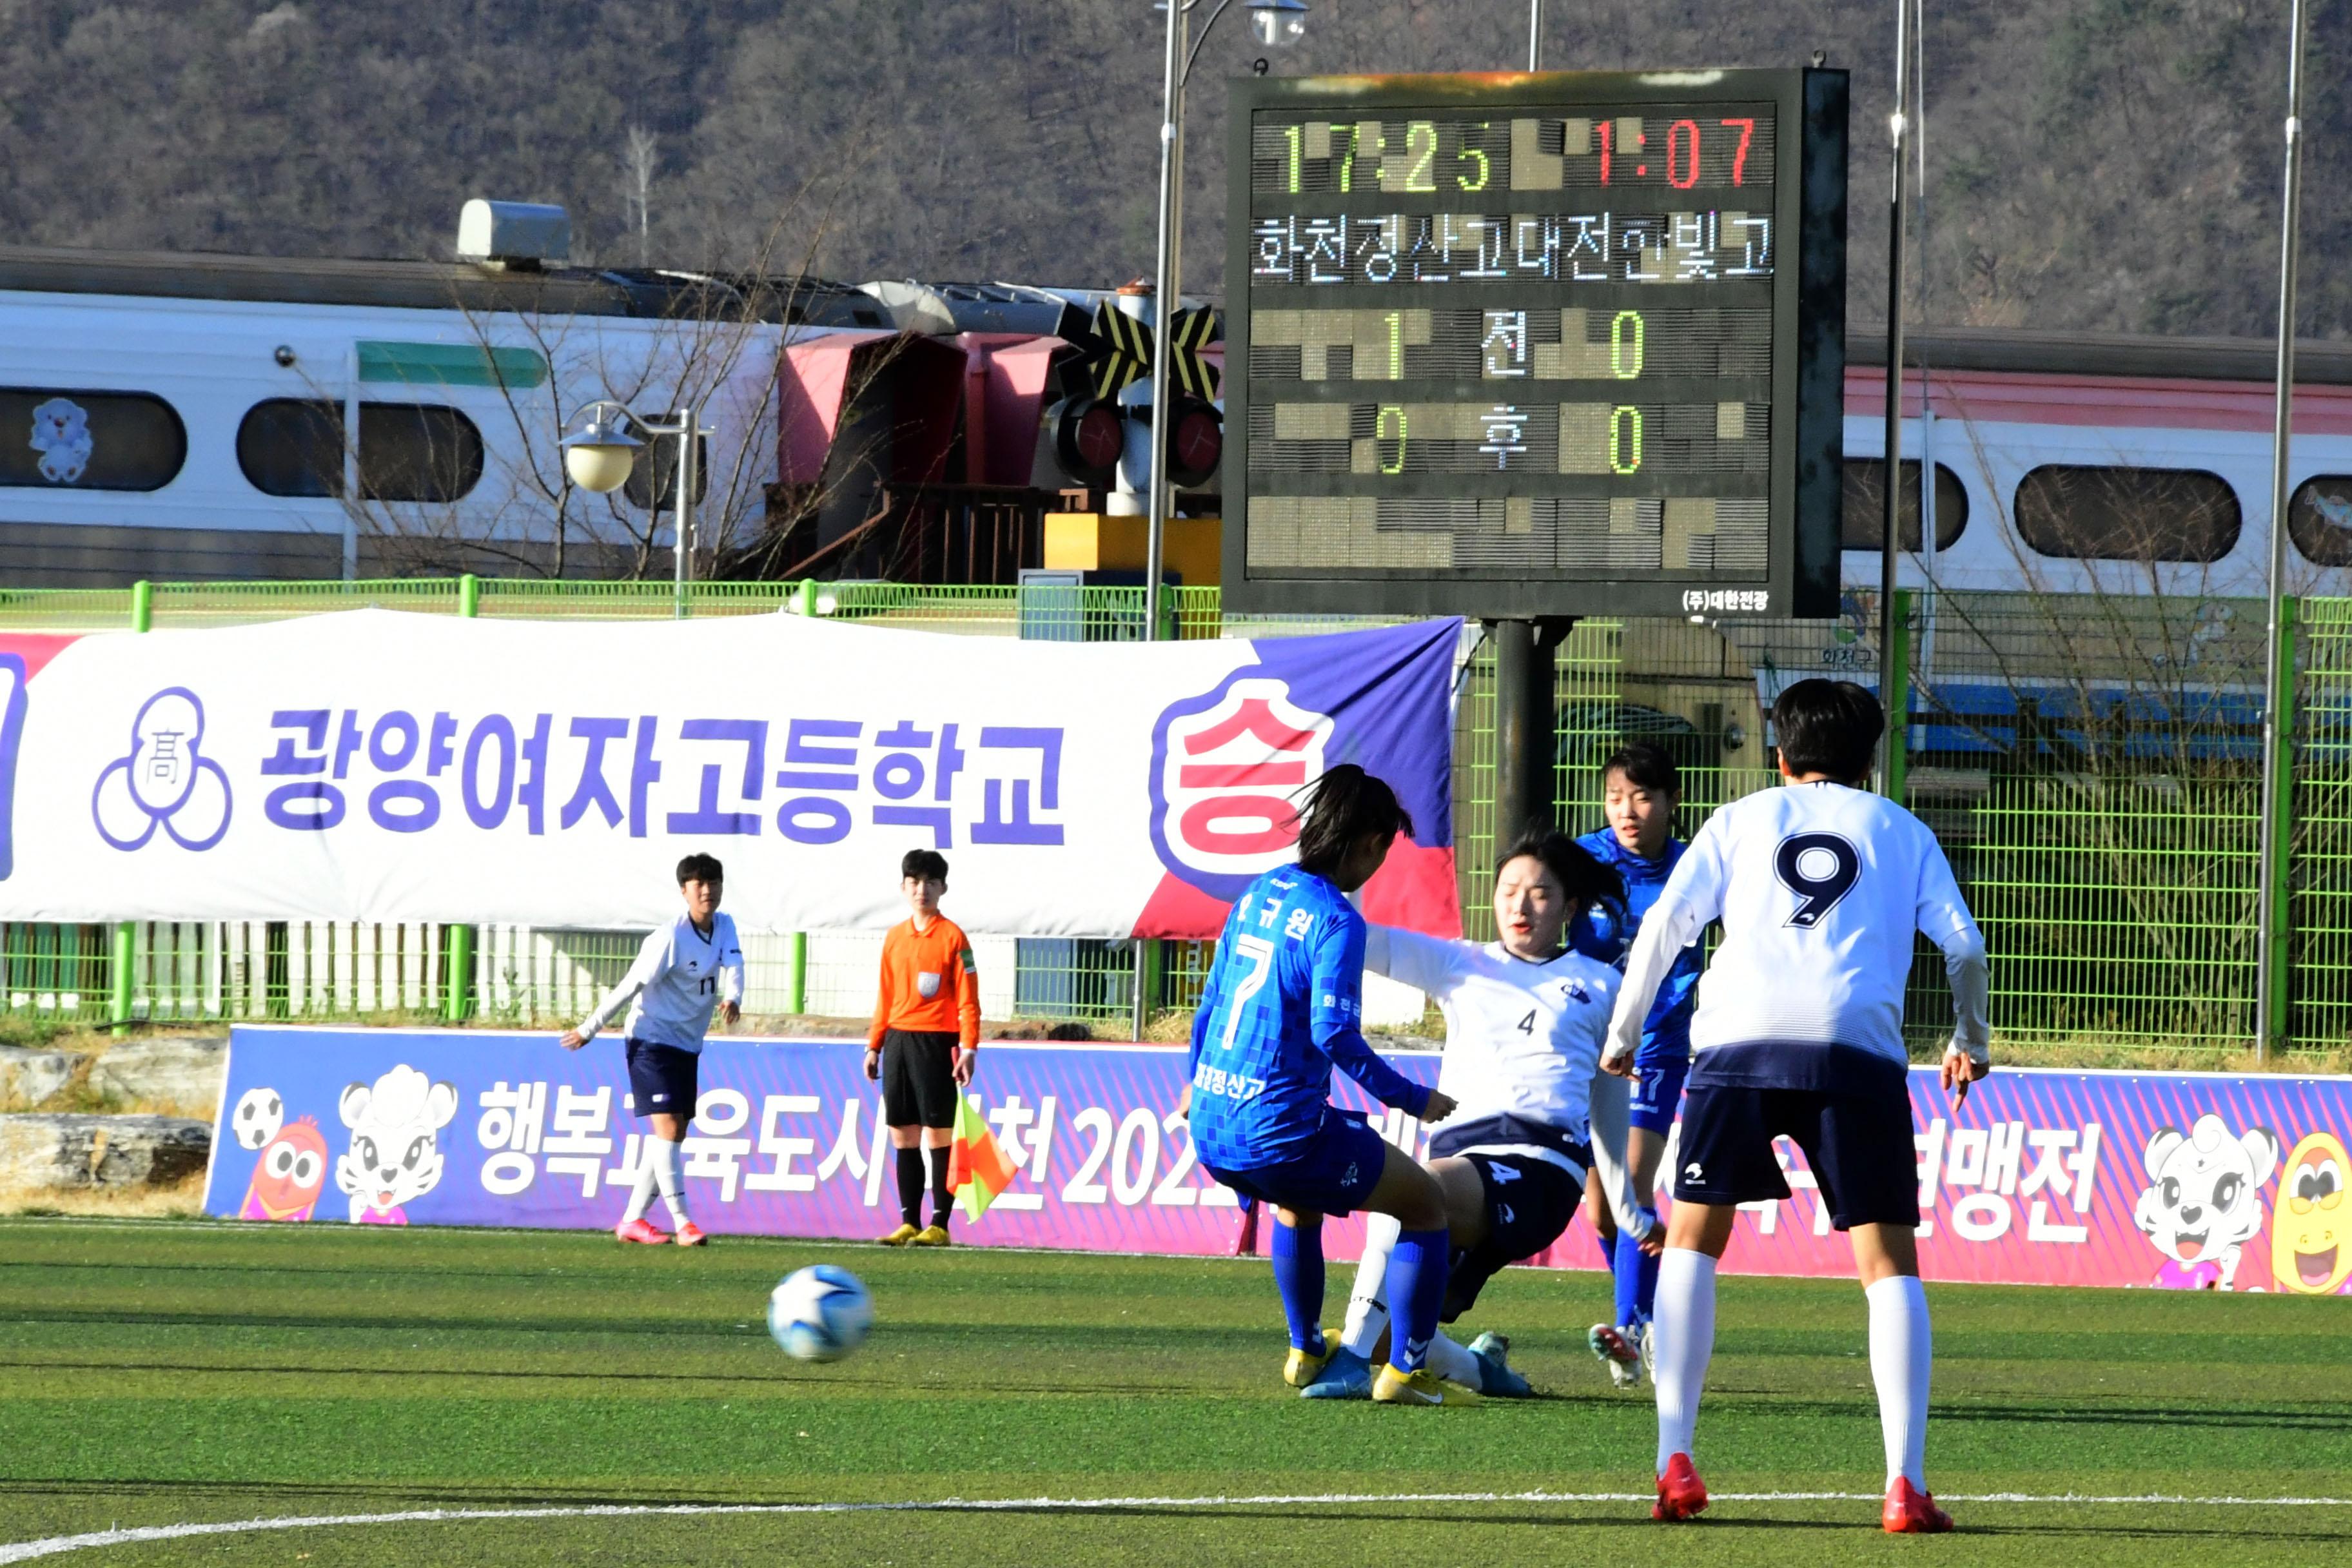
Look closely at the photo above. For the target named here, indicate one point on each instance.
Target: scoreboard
(1518, 345)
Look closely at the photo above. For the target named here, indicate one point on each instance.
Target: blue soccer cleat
(1345, 1375)
(1495, 1377)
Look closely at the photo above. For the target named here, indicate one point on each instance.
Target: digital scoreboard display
(1535, 344)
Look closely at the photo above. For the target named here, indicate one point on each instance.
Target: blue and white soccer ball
(821, 1313)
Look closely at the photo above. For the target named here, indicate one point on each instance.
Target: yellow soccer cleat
(930, 1235)
(901, 1237)
(1303, 1367)
(1421, 1387)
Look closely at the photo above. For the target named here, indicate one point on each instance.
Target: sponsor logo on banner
(1224, 779)
(164, 780)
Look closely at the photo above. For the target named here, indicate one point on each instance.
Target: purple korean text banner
(2173, 1180)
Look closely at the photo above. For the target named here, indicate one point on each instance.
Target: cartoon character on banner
(2311, 1255)
(290, 1175)
(2204, 1202)
(394, 1157)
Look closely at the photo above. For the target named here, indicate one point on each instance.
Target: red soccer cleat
(688, 1233)
(1680, 1494)
(1910, 1511)
(640, 1231)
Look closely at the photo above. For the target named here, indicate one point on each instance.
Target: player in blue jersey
(1282, 1005)
(1641, 790)
(1799, 1034)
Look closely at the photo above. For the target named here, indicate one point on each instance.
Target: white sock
(1451, 1361)
(1902, 1354)
(1683, 1333)
(641, 1195)
(665, 1177)
(1368, 1314)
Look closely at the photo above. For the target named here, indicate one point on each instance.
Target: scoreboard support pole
(1526, 724)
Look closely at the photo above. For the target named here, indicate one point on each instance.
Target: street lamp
(1276, 24)
(600, 451)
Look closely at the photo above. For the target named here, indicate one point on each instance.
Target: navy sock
(1416, 1290)
(1299, 1274)
(910, 1185)
(1625, 1263)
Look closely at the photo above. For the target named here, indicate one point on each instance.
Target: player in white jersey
(684, 972)
(1524, 1023)
(1798, 1032)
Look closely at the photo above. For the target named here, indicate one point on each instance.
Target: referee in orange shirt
(924, 1043)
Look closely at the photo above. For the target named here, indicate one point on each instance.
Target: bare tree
(638, 163)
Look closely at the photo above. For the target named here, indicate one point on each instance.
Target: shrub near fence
(2091, 765)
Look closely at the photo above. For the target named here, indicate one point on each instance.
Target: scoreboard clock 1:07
(1535, 344)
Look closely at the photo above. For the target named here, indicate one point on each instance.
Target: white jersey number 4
(1821, 869)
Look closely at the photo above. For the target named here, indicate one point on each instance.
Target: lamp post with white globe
(600, 451)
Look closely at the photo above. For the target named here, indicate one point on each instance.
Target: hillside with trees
(2090, 164)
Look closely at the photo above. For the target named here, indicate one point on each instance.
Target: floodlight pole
(2278, 697)
(1535, 34)
(1897, 703)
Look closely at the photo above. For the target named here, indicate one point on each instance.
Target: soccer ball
(259, 1114)
(821, 1313)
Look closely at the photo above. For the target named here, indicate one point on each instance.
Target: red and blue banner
(378, 766)
(2180, 1180)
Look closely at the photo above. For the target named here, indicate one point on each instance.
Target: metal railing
(2091, 765)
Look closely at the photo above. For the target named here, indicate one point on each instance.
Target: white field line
(57, 1545)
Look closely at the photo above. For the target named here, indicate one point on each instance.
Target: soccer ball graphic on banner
(821, 1313)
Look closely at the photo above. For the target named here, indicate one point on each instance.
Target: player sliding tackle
(1524, 1022)
(1798, 1032)
(1282, 1005)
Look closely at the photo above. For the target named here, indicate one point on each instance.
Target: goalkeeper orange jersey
(929, 982)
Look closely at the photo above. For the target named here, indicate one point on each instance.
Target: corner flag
(977, 1168)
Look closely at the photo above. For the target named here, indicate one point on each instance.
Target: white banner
(382, 766)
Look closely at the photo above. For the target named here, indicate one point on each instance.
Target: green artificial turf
(163, 1373)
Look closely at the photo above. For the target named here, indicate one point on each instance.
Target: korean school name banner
(374, 765)
(2174, 1181)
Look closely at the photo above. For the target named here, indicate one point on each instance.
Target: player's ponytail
(1341, 809)
(1588, 882)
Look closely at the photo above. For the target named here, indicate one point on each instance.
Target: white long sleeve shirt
(1819, 888)
(678, 982)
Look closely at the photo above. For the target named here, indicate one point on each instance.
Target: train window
(2319, 520)
(657, 464)
(52, 438)
(2093, 512)
(1866, 504)
(408, 451)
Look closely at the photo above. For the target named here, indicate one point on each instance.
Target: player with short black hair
(684, 971)
(925, 1043)
(1641, 791)
(1282, 1007)
(1524, 1020)
(1798, 1032)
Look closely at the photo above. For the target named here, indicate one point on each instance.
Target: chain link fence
(2091, 764)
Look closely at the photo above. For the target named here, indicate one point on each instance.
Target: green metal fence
(2090, 764)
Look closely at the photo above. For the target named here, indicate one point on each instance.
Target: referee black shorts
(918, 1086)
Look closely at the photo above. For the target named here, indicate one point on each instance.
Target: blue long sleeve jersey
(1598, 933)
(1284, 1004)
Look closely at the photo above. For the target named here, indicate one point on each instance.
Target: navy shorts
(1336, 1172)
(1858, 1148)
(661, 1078)
(1657, 1092)
(1529, 1204)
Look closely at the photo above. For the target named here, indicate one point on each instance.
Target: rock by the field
(183, 1071)
(64, 1151)
(29, 1075)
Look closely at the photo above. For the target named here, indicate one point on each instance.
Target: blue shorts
(1657, 1092)
(661, 1078)
(1334, 1174)
(1858, 1147)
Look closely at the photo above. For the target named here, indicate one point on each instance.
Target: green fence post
(796, 974)
(1894, 693)
(457, 957)
(126, 935)
(806, 595)
(2282, 838)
